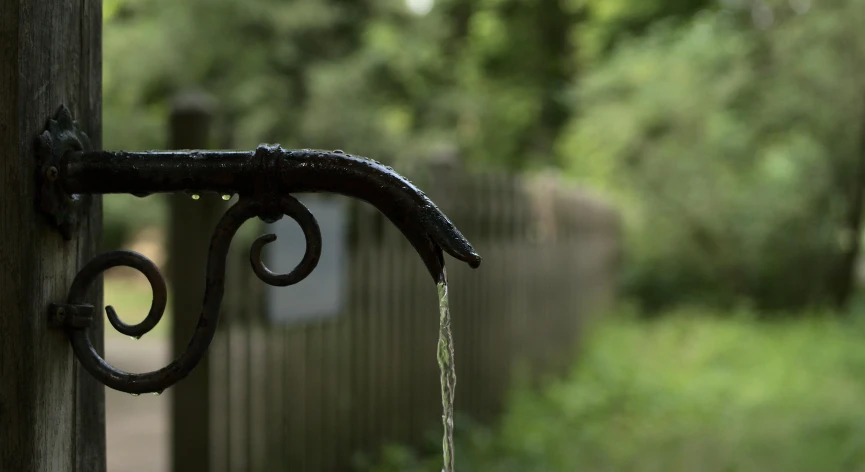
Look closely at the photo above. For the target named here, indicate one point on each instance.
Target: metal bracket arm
(68, 173)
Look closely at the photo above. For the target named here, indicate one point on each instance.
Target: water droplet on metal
(195, 196)
(226, 197)
(157, 393)
(134, 394)
(339, 151)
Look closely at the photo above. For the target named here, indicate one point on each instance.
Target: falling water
(448, 374)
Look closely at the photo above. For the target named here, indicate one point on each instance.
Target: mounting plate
(60, 137)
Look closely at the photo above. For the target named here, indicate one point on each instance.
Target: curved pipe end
(419, 219)
(435, 236)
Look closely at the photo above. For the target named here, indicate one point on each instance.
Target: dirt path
(137, 427)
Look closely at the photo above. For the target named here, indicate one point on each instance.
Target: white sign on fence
(321, 295)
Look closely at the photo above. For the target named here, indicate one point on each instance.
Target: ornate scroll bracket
(68, 173)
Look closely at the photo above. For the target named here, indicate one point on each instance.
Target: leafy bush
(733, 153)
(690, 392)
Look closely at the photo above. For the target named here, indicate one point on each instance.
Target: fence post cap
(193, 101)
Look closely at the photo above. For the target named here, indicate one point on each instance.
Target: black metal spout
(68, 173)
(270, 172)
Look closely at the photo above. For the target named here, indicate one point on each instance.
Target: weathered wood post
(192, 222)
(52, 413)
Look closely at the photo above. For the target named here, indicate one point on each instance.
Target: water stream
(445, 356)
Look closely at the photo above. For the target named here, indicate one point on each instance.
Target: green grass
(688, 392)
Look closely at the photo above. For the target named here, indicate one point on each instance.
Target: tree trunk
(844, 281)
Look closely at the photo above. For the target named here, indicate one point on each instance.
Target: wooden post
(191, 226)
(52, 413)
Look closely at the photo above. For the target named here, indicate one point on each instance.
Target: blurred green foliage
(690, 392)
(481, 77)
(734, 151)
(729, 133)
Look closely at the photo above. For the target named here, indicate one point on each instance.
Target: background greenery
(730, 134)
(691, 392)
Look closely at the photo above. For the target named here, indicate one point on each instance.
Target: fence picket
(307, 397)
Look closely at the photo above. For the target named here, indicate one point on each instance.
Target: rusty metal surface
(264, 180)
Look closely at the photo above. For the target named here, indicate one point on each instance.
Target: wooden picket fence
(312, 396)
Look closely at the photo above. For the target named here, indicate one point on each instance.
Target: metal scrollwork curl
(158, 380)
(103, 262)
(69, 173)
(289, 206)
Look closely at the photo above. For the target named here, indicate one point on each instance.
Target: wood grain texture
(52, 415)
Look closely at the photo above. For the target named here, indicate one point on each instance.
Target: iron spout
(269, 172)
(68, 173)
